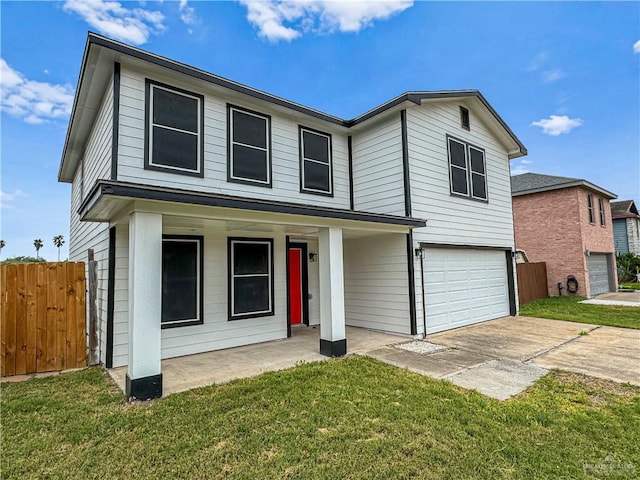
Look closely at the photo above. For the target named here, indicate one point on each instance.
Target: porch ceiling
(112, 202)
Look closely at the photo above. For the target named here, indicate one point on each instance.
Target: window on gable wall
(249, 140)
(601, 210)
(315, 162)
(467, 170)
(590, 208)
(464, 118)
(174, 130)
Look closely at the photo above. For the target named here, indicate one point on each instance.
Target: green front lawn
(631, 285)
(349, 418)
(568, 308)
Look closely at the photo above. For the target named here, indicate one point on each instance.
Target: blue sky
(565, 76)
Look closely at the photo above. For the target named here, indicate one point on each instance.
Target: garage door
(598, 273)
(463, 287)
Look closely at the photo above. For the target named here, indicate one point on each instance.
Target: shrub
(628, 267)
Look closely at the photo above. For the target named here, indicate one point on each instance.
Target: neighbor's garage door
(463, 287)
(598, 273)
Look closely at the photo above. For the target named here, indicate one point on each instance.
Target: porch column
(144, 376)
(332, 323)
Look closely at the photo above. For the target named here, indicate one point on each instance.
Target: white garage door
(463, 287)
(598, 273)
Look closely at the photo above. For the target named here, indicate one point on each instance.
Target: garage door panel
(598, 273)
(463, 287)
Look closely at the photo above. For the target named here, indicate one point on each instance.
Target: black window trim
(247, 181)
(601, 211)
(303, 189)
(199, 239)
(592, 217)
(148, 119)
(230, 276)
(467, 158)
(464, 114)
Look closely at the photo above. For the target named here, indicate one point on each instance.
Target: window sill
(233, 318)
(160, 168)
(187, 323)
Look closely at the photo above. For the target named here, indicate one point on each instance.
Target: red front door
(295, 285)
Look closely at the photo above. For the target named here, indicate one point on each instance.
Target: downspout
(420, 253)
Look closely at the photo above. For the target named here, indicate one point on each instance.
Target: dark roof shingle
(535, 182)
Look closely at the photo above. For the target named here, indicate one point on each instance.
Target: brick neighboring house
(566, 222)
(626, 227)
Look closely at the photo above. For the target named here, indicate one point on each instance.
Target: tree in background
(58, 241)
(2, 244)
(38, 244)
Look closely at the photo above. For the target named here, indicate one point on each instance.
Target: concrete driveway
(502, 357)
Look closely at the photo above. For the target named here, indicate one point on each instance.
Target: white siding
(451, 219)
(86, 235)
(378, 176)
(284, 141)
(376, 283)
(217, 332)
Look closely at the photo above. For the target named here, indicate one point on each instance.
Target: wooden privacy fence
(532, 281)
(43, 317)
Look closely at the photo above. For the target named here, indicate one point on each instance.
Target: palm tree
(38, 244)
(58, 241)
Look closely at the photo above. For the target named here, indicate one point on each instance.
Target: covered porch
(192, 273)
(221, 366)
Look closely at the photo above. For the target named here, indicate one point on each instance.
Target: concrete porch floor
(220, 366)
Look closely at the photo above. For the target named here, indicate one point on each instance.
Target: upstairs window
(249, 141)
(601, 210)
(174, 126)
(467, 170)
(464, 118)
(315, 162)
(590, 208)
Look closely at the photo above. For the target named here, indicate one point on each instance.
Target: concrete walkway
(502, 357)
(622, 299)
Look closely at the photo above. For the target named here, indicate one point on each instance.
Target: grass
(631, 285)
(351, 418)
(568, 308)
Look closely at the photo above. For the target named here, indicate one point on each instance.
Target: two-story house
(566, 223)
(222, 216)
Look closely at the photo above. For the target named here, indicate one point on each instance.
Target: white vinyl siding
(463, 287)
(217, 332)
(452, 219)
(376, 283)
(378, 175)
(96, 164)
(284, 147)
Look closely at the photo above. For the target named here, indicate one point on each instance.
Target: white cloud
(553, 75)
(557, 124)
(7, 199)
(636, 47)
(537, 62)
(520, 166)
(187, 14)
(289, 19)
(35, 102)
(133, 25)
